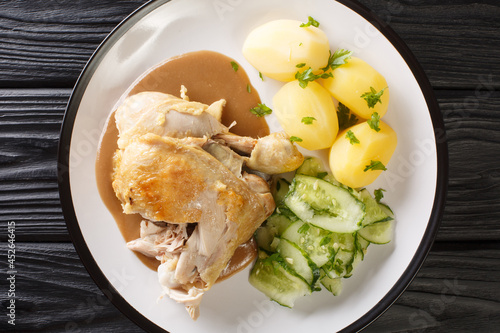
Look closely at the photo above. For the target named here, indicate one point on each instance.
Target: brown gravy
(208, 77)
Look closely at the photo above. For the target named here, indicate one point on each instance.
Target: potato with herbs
(360, 153)
(360, 87)
(307, 114)
(277, 47)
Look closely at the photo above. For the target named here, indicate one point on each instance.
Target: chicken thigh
(166, 180)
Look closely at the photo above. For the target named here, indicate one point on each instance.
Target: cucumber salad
(323, 222)
(318, 234)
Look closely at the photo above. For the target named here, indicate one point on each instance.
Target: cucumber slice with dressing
(324, 205)
(280, 190)
(312, 167)
(276, 281)
(333, 285)
(312, 240)
(340, 265)
(358, 257)
(279, 223)
(378, 233)
(361, 245)
(274, 226)
(264, 238)
(374, 211)
(298, 261)
(386, 210)
(318, 234)
(345, 249)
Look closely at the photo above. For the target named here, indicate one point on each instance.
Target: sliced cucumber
(340, 266)
(315, 242)
(374, 212)
(343, 241)
(274, 226)
(378, 233)
(280, 190)
(386, 209)
(298, 261)
(324, 205)
(279, 223)
(361, 245)
(318, 234)
(264, 237)
(358, 257)
(312, 167)
(273, 279)
(332, 285)
(329, 178)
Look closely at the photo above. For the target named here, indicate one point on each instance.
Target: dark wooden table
(44, 44)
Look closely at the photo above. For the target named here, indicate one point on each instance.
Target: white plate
(415, 182)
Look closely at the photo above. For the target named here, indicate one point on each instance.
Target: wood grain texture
(455, 41)
(29, 127)
(55, 294)
(473, 209)
(455, 291)
(47, 43)
(30, 120)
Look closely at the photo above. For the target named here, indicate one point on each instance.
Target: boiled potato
(295, 107)
(352, 80)
(277, 47)
(348, 161)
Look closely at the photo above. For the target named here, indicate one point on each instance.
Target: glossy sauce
(208, 77)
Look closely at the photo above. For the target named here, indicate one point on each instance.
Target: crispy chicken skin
(152, 171)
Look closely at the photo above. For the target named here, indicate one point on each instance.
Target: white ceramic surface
(181, 26)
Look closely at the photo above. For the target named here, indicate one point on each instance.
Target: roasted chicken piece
(165, 180)
(193, 182)
(167, 115)
(272, 154)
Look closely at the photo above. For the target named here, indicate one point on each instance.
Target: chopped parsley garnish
(249, 88)
(372, 97)
(308, 120)
(261, 110)
(295, 139)
(374, 122)
(375, 165)
(302, 64)
(379, 195)
(235, 66)
(261, 76)
(337, 59)
(308, 76)
(352, 138)
(310, 22)
(325, 241)
(303, 228)
(346, 118)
